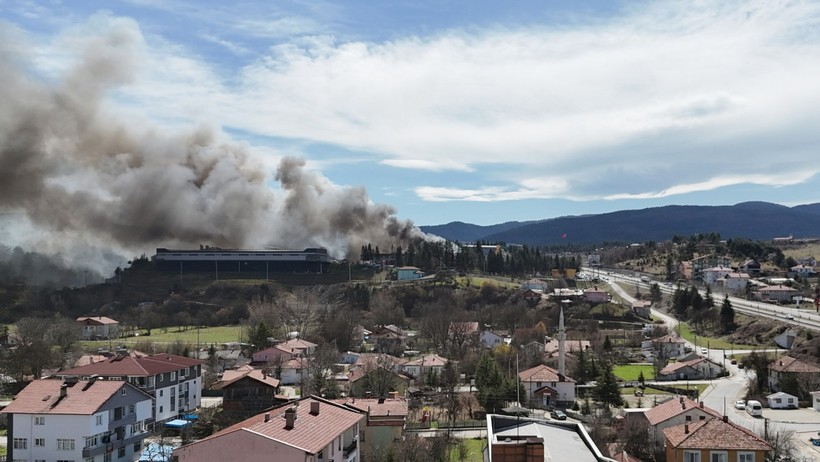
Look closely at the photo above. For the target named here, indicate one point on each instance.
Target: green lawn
(720, 344)
(630, 372)
(474, 448)
(206, 335)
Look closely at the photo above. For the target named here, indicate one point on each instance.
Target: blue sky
(480, 111)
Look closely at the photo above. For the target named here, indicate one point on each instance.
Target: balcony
(350, 449)
(113, 445)
(123, 420)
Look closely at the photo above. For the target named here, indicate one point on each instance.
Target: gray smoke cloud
(82, 175)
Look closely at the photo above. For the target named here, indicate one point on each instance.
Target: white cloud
(663, 96)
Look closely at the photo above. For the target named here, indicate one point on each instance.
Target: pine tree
(641, 378)
(727, 315)
(606, 389)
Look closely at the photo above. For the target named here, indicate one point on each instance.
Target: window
(160, 409)
(745, 457)
(150, 382)
(161, 377)
(718, 456)
(65, 444)
(39, 442)
(20, 443)
(173, 376)
(137, 447)
(122, 392)
(89, 459)
(91, 441)
(121, 452)
(40, 420)
(99, 419)
(689, 418)
(691, 456)
(131, 408)
(107, 457)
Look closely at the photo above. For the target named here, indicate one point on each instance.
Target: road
(723, 393)
(787, 314)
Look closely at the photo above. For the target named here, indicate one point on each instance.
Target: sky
(478, 111)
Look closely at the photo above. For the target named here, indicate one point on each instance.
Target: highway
(783, 313)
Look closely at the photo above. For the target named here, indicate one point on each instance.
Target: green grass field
(630, 372)
(205, 335)
(474, 451)
(716, 343)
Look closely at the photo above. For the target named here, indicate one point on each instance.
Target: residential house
(424, 366)
(782, 400)
(787, 366)
(596, 296)
(571, 346)
(751, 267)
(708, 261)
(409, 273)
(388, 339)
(775, 293)
(735, 283)
(82, 420)
(532, 296)
(710, 276)
(675, 411)
(685, 270)
(619, 454)
(523, 439)
(274, 355)
(376, 381)
(803, 271)
(547, 388)
(808, 260)
(98, 327)
(642, 308)
(384, 422)
(694, 369)
(672, 345)
(492, 338)
(291, 372)
(310, 429)
(174, 381)
(713, 440)
(298, 347)
(535, 284)
(247, 391)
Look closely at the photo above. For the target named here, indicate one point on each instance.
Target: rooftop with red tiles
(714, 434)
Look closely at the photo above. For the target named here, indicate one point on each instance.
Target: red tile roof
(789, 364)
(669, 339)
(427, 360)
(714, 434)
(675, 406)
(311, 433)
(131, 366)
(43, 397)
(96, 320)
(543, 373)
(232, 376)
(387, 407)
(673, 367)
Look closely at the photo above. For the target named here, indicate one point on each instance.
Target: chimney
(686, 429)
(314, 408)
(290, 418)
(701, 404)
(63, 391)
(267, 417)
(726, 418)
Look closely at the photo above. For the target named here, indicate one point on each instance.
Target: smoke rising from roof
(77, 170)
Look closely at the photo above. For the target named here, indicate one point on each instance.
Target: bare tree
(378, 377)
(385, 309)
(435, 321)
(662, 352)
(782, 441)
(317, 375)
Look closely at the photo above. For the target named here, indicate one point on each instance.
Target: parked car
(704, 351)
(741, 404)
(734, 361)
(558, 415)
(754, 408)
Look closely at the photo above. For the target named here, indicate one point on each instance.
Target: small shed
(782, 400)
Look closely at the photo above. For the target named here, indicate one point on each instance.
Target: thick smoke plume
(84, 175)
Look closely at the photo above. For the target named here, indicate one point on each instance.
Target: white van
(754, 408)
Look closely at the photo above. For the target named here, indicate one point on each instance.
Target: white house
(712, 275)
(424, 365)
(491, 338)
(672, 345)
(291, 372)
(776, 293)
(80, 420)
(174, 381)
(311, 429)
(544, 385)
(803, 271)
(735, 283)
(676, 411)
(782, 400)
(97, 327)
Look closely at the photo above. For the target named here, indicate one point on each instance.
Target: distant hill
(752, 220)
(467, 232)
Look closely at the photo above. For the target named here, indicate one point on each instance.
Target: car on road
(704, 351)
(734, 361)
(740, 404)
(558, 415)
